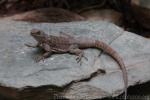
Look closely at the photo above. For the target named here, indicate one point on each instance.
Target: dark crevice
(54, 92)
(94, 74)
(51, 92)
(47, 92)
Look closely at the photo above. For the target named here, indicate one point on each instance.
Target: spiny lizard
(69, 44)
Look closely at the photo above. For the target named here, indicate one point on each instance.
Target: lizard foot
(39, 58)
(78, 52)
(79, 58)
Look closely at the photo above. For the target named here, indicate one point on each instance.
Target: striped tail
(106, 48)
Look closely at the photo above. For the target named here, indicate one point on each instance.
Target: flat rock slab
(98, 77)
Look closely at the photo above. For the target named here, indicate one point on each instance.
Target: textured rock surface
(53, 15)
(108, 15)
(18, 68)
(145, 3)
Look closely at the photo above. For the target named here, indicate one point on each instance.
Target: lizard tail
(106, 48)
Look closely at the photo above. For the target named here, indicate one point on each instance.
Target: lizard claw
(79, 58)
(85, 58)
(39, 58)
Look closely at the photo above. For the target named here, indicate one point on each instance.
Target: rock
(137, 2)
(145, 3)
(96, 78)
(142, 15)
(108, 15)
(47, 15)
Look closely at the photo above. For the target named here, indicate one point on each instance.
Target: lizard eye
(35, 31)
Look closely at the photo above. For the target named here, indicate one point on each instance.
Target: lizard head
(38, 35)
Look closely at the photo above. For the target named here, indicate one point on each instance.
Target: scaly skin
(68, 44)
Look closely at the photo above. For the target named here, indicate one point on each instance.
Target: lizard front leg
(48, 52)
(45, 55)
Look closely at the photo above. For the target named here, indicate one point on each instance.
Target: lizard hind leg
(79, 54)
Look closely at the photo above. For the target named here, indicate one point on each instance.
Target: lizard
(66, 43)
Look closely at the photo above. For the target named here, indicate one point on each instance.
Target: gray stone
(18, 68)
(145, 3)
